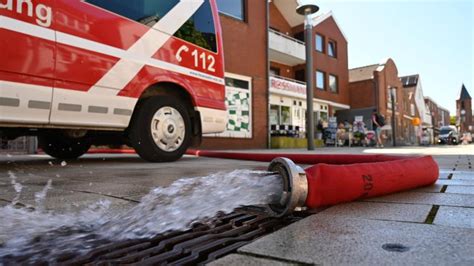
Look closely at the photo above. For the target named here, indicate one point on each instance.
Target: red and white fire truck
(145, 73)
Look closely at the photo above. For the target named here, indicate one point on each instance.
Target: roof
(317, 19)
(410, 81)
(464, 95)
(362, 73)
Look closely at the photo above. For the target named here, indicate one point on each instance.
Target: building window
(234, 8)
(199, 29)
(320, 77)
(332, 49)
(285, 115)
(280, 115)
(333, 83)
(274, 114)
(389, 99)
(319, 43)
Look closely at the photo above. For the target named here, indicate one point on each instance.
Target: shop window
(319, 43)
(333, 86)
(199, 29)
(320, 77)
(238, 99)
(280, 115)
(274, 114)
(237, 83)
(234, 8)
(285, 115)
(332, 49)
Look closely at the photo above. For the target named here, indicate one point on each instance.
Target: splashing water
(193, 199)
(17, 186)
(41, 196)
(175, 207)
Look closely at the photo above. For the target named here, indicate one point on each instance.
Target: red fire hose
(337, 178)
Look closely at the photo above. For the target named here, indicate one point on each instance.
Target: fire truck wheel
(161, 129)
(63, 147)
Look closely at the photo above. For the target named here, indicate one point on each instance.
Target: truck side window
(199, 29)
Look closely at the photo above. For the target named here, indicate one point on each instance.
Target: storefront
(288, 106)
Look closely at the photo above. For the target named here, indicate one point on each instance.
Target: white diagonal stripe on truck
(125, 70)
(89, 45)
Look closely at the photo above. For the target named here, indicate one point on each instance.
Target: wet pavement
(431, 225)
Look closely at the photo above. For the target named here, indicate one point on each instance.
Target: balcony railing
(286, 36)
(288, 79)
(286, 49)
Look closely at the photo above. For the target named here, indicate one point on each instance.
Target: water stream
(41, 234)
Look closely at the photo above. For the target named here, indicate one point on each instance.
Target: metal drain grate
(202, 244)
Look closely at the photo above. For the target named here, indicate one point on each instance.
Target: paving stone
(446, 199)
(238, 260)
(460, 189)
(330, 240)
(455, 217)
(381, 211)
(446, 169)
(444, 175)
(463, 175)
(62, 201)
(435, 188)
(457, 182)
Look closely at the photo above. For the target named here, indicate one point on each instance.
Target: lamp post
(307, 8)
(393, 92)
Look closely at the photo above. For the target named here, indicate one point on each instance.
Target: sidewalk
(428, 226)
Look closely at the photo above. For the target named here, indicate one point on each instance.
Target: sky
(433, 38)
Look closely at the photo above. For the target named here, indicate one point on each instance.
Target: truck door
(27, 51)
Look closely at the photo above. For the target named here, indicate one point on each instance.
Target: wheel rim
(168, 129)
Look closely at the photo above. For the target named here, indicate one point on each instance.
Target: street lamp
(307, 8)
(393, 91)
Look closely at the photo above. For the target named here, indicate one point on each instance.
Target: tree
(452, 120)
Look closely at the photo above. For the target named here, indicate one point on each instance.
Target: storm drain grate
(199, 245)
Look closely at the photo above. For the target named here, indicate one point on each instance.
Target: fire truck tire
(63, 147)
(161, 129)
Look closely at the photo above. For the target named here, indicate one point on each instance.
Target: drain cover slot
(201, 244)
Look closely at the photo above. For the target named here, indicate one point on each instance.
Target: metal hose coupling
(295, 187)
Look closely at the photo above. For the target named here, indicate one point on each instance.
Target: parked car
(448, 135)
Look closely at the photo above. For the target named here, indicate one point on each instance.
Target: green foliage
(452, 120)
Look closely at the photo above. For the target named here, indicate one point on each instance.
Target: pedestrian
(319, 130)
(377, 124)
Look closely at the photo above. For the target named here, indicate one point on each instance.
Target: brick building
(287, 67)
(414, 108)
(465, 119)
(245, 44)
(370, 88)
(265, 71)
(440, 116)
